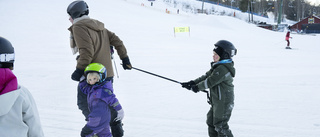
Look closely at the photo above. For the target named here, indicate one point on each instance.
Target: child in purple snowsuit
(99, 96)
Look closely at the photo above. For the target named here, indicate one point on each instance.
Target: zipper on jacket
(219, 93)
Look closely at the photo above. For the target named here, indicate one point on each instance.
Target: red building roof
(308, 20)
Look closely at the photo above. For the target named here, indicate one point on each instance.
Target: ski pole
(162, 77)
(155, 75)
(115, 66)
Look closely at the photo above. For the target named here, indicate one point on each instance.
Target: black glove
(85, 131)
(76, 75)
(126, 63)
(188, 85)
(195, 88)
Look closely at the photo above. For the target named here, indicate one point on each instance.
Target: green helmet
(96, 67)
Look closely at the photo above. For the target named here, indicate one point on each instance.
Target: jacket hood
(88, 22)
(86, 88)
(7, 101)
(105, 85)
(8, 81)
(230, 67)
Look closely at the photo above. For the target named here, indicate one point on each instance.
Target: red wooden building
(310, 24)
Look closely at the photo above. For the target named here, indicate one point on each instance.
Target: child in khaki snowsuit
(219, 80)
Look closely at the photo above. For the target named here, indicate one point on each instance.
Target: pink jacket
(8, 81)
(288, 36)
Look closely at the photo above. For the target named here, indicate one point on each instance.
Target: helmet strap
(6, 65)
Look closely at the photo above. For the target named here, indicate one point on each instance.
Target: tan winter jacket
(93, 42)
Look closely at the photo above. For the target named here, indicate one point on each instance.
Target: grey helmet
(225, 49)
(77, 9)
(6, 53)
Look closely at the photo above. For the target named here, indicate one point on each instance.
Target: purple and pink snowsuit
(100, 97)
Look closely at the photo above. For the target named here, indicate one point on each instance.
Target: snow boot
(116, 129)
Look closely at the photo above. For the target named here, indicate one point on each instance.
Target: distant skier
(219, 80)
(100, 95)
(287, 39)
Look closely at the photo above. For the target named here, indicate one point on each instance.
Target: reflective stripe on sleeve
(206, 84)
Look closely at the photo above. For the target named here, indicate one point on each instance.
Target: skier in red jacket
(287, 39)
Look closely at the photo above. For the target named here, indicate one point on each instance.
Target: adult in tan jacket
(93, 42)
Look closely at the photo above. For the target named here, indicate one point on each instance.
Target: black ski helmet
(6, 53)
(77, 9)
(225, 49)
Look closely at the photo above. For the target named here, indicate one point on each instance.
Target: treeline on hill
(292, 9)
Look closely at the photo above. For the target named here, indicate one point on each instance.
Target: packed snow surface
(276, 90)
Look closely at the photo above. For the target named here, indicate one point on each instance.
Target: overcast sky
(317, 2)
